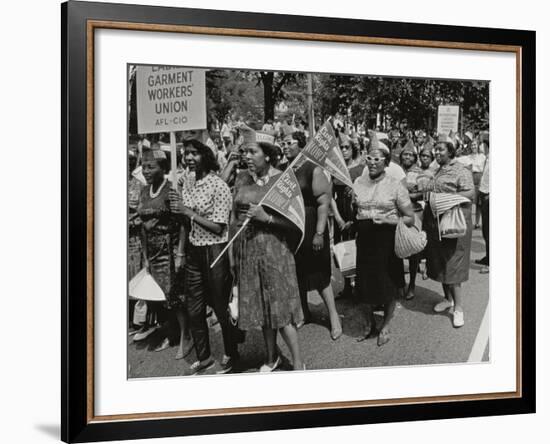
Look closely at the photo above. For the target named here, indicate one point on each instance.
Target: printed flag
(323, 150)
(286, 198)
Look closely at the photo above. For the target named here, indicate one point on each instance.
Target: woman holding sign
(313, 264)
(262, 258)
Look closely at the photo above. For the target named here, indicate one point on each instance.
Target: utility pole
(311, 117)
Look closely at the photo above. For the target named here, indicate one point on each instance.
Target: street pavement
(418, 335)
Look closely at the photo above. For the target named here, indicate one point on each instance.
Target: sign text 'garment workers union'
(447, 119)
(170, 98)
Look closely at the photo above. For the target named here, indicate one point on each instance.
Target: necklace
(262, 180)
(156, 193)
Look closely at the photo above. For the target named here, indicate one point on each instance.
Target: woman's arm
(337, 217)
(180, 252)
(322, 191)
(177, 207)
(144, 250)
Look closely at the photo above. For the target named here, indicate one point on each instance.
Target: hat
(409, 146)
(444, 138)
(154, 154)
(251, 136)
(343, 139)
(469, 135)
(376, 144)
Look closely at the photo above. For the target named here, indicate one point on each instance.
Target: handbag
(345, 255)
(233, 306)
(408, 240)
(143, 286)
(453, 223)
(140, 312)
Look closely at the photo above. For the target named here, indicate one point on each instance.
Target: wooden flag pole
(173, 160)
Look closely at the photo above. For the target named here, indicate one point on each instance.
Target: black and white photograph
(304, 221)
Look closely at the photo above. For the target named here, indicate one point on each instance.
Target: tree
(273, 83)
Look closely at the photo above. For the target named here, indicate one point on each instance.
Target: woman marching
(381, 200)
(313, 262)
(263, 261)
(409, 162)
(448, 260)
(341, 203)
(205, 205)
(160, 230)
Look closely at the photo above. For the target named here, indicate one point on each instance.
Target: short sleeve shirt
(210, 198)
(453, 178)
(384, 196)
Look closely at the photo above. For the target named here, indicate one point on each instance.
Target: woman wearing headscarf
(448, 260)
(380, 200)
(205, 205)
(313, 262)
(262, 256)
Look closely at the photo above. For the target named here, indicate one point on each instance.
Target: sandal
(383, 338)
(372, 333)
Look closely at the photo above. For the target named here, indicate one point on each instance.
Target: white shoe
(269, 368)
(445, 304)
(458, 319)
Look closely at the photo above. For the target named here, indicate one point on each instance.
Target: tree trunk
(269, 100)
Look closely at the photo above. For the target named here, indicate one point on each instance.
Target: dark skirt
(313, 267)
(447, 260)
(268, 287)
(379, 271)
(161, 252)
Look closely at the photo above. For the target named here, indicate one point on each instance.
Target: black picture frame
(77, 423)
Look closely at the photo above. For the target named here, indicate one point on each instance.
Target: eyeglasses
(374, 159)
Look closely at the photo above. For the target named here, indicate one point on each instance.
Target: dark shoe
(199, 367)
(372, 333)
(482, 261)
(226, 365)
(183, 351)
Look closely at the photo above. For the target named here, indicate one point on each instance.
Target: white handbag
(345, 255)
(144, 287)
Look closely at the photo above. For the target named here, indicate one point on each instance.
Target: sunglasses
(345, 147)
(292, 142)
(375, 159)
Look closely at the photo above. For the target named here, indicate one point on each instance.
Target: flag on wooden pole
(285, 197)
(323, 150)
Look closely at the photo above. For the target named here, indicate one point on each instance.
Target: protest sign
(285, 197)
(170, 99)
(447, 119)
(324, 151)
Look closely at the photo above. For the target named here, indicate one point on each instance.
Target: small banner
(324, 151)
(286, 198)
